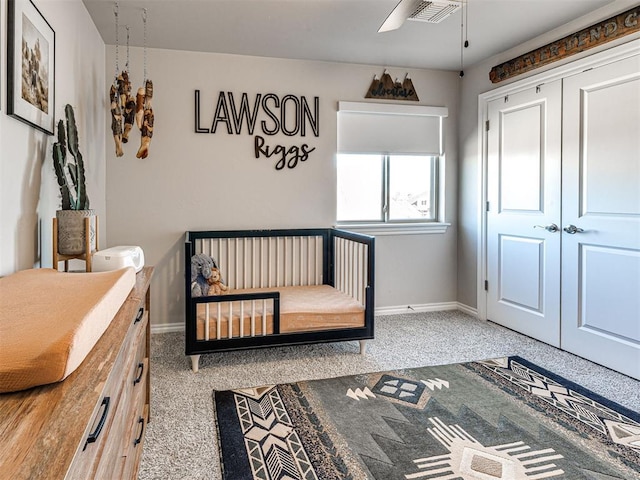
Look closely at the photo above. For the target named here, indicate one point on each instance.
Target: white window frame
(387, 176)
(435, 149)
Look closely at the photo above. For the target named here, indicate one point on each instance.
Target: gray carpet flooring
(180, 439)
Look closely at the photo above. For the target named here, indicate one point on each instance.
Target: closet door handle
(553, 228)
(93, 436)
(572, 229)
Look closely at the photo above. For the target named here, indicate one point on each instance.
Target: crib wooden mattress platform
(302, 309)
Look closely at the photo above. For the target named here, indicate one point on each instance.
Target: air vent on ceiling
(434, 12)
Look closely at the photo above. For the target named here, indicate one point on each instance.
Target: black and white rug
(502, 418)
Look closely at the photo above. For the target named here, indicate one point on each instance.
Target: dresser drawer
(105, 454)
(99, 428)
(134, 379)
(136, 441)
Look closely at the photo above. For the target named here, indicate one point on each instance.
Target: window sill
(396, 228)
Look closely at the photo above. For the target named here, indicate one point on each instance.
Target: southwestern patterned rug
(496, 419)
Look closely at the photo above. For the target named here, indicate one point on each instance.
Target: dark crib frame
(195, 347)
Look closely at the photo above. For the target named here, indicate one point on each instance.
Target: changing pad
(50, 321)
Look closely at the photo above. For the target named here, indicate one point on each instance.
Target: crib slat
(319, 278)
(345, 267)
(264, 317)
(290, 256)
(360, 278)
(309, 261)
(253, 263)
(285, 258)
(245, 266)
(354, 271)
(342, 262)
(230, 323)
(219, 323)
(304, 245)
(300, 263)
(295, 242)
(236, 262)
(241, 319)
(336, 267)
(272, 255)
(352, 257)
(219, 257)
(206, 321)
(253, 318)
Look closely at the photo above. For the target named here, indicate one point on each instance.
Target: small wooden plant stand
(59, 257)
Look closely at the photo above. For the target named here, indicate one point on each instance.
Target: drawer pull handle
(93, 436)
(141, 370)
(139, 316)
(139, 439)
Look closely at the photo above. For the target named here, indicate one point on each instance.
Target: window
(387, 188)
(396, 187)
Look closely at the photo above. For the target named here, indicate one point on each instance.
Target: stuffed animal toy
(216, 287)
(202, 266)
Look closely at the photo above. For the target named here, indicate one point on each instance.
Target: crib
(286, 287)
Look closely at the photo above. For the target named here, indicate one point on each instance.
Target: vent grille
(434, 12)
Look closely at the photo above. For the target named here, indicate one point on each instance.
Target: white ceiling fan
(419, 10)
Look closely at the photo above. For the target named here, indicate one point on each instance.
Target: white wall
(213, 181)
(476, 81)
(29, 195)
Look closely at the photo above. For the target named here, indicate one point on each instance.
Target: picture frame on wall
(30, 66)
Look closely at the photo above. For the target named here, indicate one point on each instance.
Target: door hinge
(486, 125)
(486, 285)
(487, 206)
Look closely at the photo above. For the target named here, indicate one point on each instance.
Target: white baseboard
(167, 328)
(468, 310)
(427, 307)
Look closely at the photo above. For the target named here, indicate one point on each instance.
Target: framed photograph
(30, 66)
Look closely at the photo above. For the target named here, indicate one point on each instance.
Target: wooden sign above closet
(590, 37)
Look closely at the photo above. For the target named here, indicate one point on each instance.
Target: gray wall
(200, 181)
(196, 181)
(29, 195)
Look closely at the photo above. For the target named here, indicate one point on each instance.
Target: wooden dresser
(90, 425)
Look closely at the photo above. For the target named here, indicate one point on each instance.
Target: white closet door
(601, 216)
(523, 258)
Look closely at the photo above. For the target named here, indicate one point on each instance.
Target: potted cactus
(71, 180)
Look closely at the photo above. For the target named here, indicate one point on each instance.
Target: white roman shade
(390, 128)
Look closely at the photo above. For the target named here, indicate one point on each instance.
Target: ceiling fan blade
(398, 15)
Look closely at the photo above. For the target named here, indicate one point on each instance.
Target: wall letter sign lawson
(386, 88)
(597, 34)
(289, 115)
